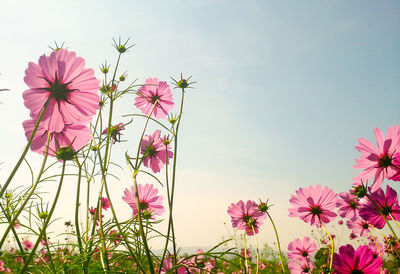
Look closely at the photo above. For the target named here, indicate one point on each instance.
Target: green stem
(46, 223)
(13, 231)
(278, 242)
(28, 145)
(77, 203)
(170, 222)
(391, 229)
(258, 255)
(146, 247)
(332, 249)
(169, 206)
(245, 254)
(33, 188)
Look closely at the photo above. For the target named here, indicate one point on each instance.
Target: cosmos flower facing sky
(314, 205)
(71, 87)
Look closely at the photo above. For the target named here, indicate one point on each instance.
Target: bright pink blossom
(348, 205)
(314, 205)
(359, 227)
(356, 261)
(379, 203)
(149, 202)
(27, 244)
(155, 151)
(246, 216)
(105, 204)
(72, 89)
(149, 93)
(301, 249)
(77, 136)
(377, 161)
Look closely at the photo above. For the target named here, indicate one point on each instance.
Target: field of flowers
(72, 126)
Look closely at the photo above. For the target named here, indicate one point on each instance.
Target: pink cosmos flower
(72, 89)
(356, 261)
(115, 132)
(77, 136)
(105, 204)
(246, 216)
(377, 161)
(314, 205)
(27, 244)
(348, 205)
(149, 202)
(149, 93)
(300, 267)
(154, 151)
(301, 249)
(386, 204)
(359, 226)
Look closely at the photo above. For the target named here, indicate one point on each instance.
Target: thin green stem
(246, 263)
(278, 242)
(333, 246)
(170, 222)
(258, 254)
(33, 188)
(139, 215)
(14, 232)
(46, 223)
(394, 220)
(391, 229)
(28, 145)
(77, 203)
(169, 207)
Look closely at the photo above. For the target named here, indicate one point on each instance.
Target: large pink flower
(246, 216)
(356, 261)
(301, 249)
(149, 202)
(377, 161)
(77, 136)
(379, 203)
(72, 89)
(314, 205)
(155, 151)
(149, 93)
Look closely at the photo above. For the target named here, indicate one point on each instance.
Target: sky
(283, 90)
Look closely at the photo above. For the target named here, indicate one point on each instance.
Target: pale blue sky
(284, 89)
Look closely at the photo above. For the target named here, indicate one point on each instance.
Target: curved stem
(332, 249)
(28, 145)
(33, 188)
(46, 223)
(279, 244)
